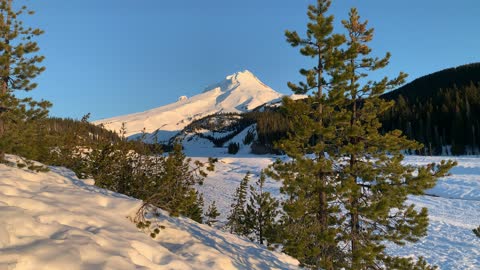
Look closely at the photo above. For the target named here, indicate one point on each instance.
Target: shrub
(233, 148)
(249, 137)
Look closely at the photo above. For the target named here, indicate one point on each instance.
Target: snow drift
(55, 221)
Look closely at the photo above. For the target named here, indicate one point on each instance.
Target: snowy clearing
(454, 206)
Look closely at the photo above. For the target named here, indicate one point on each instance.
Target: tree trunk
(354, 216)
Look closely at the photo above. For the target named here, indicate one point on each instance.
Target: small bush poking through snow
(212, 215)
(146, 225)
(233, 148)
(477, 231)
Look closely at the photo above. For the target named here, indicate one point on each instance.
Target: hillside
(239, 92)
(56, 221)
(424, 87)
(440, 110)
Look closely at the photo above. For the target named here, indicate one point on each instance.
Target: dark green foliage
(233, 148)
(345, 185)
(236, 221)
(166, 182)
(272, 125)
(428, 86)
(249, 137)
(212, 214)
(24, 133)
(254, 214)
(261, 213)
(147, 226)
(477, 231)
(447, 112)
(309, 221)
(132, 167)
(19, 65)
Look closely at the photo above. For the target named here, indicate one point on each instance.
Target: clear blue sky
(113, 57)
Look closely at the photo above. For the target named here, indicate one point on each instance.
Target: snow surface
(453, 204)
(49, 220)
(239, 92)
(55, 221)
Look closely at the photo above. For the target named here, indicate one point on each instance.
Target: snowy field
(55, 221)
(454, 206)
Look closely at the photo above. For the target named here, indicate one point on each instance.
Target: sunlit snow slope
(239, 92)
(55, 221)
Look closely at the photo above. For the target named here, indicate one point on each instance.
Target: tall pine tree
(19, 65)
(345, 183)
(310, 217)
(373, 183)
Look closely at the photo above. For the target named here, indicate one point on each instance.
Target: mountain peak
(233, 81)
(245, 74)
(239, 92)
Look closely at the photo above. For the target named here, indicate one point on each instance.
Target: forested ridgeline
(48, 139)
(440, 110)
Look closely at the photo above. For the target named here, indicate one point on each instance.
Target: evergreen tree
(19, 66)
(345, 183)
(261, 213)
(310, 218)
(373, 182)
(170, 182)
(194, 204)
(212, 214)
(236, 221)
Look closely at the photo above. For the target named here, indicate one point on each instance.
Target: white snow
(239, 92)
(55, 221)
(453, 205)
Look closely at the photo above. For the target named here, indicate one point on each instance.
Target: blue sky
(113, 57)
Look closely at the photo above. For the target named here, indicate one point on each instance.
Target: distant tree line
(440, 110)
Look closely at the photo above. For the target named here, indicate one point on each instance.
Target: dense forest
(440, 110)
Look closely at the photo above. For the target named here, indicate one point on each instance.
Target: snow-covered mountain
(239, 92)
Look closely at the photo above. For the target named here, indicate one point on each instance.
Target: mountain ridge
(239, 92)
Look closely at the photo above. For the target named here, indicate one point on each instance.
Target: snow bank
(55, 221)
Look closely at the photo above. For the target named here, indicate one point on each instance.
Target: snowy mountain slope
(239, 92)
(55, 221)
